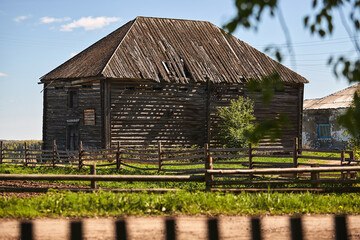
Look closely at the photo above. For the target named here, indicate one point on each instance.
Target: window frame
(324, 131)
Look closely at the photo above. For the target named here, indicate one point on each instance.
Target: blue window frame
(324, 131)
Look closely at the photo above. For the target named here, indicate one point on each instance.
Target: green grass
(108, 204)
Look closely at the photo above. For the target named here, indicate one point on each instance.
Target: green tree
(319, 22)
(236, 121)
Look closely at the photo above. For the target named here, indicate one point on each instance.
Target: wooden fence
(230, 180)
(213, 233)
(176, 161)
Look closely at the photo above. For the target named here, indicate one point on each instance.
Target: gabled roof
(171, 50)
(340, 99)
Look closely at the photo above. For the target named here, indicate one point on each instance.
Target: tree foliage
(236, 121)
(320, 22)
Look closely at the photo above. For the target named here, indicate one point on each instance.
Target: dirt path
(143, 228)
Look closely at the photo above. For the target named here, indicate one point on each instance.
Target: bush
(236, 121)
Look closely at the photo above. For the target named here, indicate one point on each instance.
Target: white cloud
(52, 20)
(89, 23)
(21, 18)
(3, 74)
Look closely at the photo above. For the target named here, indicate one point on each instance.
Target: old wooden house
(157, 79)
(320, 120)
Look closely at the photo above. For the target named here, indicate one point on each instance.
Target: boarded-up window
(89, 117)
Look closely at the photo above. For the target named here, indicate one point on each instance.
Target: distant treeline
(19, 145)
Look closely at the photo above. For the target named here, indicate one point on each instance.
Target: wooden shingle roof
(171, 50)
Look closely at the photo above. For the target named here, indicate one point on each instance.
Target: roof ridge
(342, 90)
(177, 19)
(118, 45)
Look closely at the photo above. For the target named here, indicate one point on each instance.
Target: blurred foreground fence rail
(213, 230)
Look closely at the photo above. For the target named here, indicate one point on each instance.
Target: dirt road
(143, 228)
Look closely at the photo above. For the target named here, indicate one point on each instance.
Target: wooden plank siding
(145, 113)
(176, 114)
(58, 115)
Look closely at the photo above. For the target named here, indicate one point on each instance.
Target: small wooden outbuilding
(157, 79)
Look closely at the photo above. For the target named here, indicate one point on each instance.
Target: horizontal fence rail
(217, 167)
(121, 231)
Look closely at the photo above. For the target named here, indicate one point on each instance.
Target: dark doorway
(72, 138)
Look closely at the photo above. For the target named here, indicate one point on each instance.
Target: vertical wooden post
(341, 232)
(251, 165)
(26, 231)
(159, 156)
(208, 166)
(54, 153)
(296, 152)
(256, 229)
(296, 155)
(121, 231)
(76, 230)
(118, 156)
(80, 155)
(315, 176)
(1, 152)
(213, 229)
(25, 154)
(343, 174)
(170, 229)
(93, 172)
(296, 228)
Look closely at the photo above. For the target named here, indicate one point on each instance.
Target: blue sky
(38, 35)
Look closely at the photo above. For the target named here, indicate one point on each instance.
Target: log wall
(145, 113)
(288, 101)
(58, 115)
(137, 113)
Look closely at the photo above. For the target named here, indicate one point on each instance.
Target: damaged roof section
(340, 99)
(172, 50)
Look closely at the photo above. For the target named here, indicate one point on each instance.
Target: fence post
(315, 176)
(170, 229)
(93, 172)
(26, 154)
(118, 156)
(296, 155)
(251, 165)
(159, 156)
(296, 228)
(26, 231)
(343, 173)
(213, 229)
(208, 166)
(1, 152)
(80, 155)
(76, 231)
(54, 153)
(121, 233)
(296, 152)
(340, 228)
(256, 229)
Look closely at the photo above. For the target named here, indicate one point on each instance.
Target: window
(89, 117)
(324, 131)
(73, 99)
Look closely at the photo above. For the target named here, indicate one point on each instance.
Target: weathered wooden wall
(135, 113)
(288, 101)
(176, 114)
(145, 113)
(58, 115)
